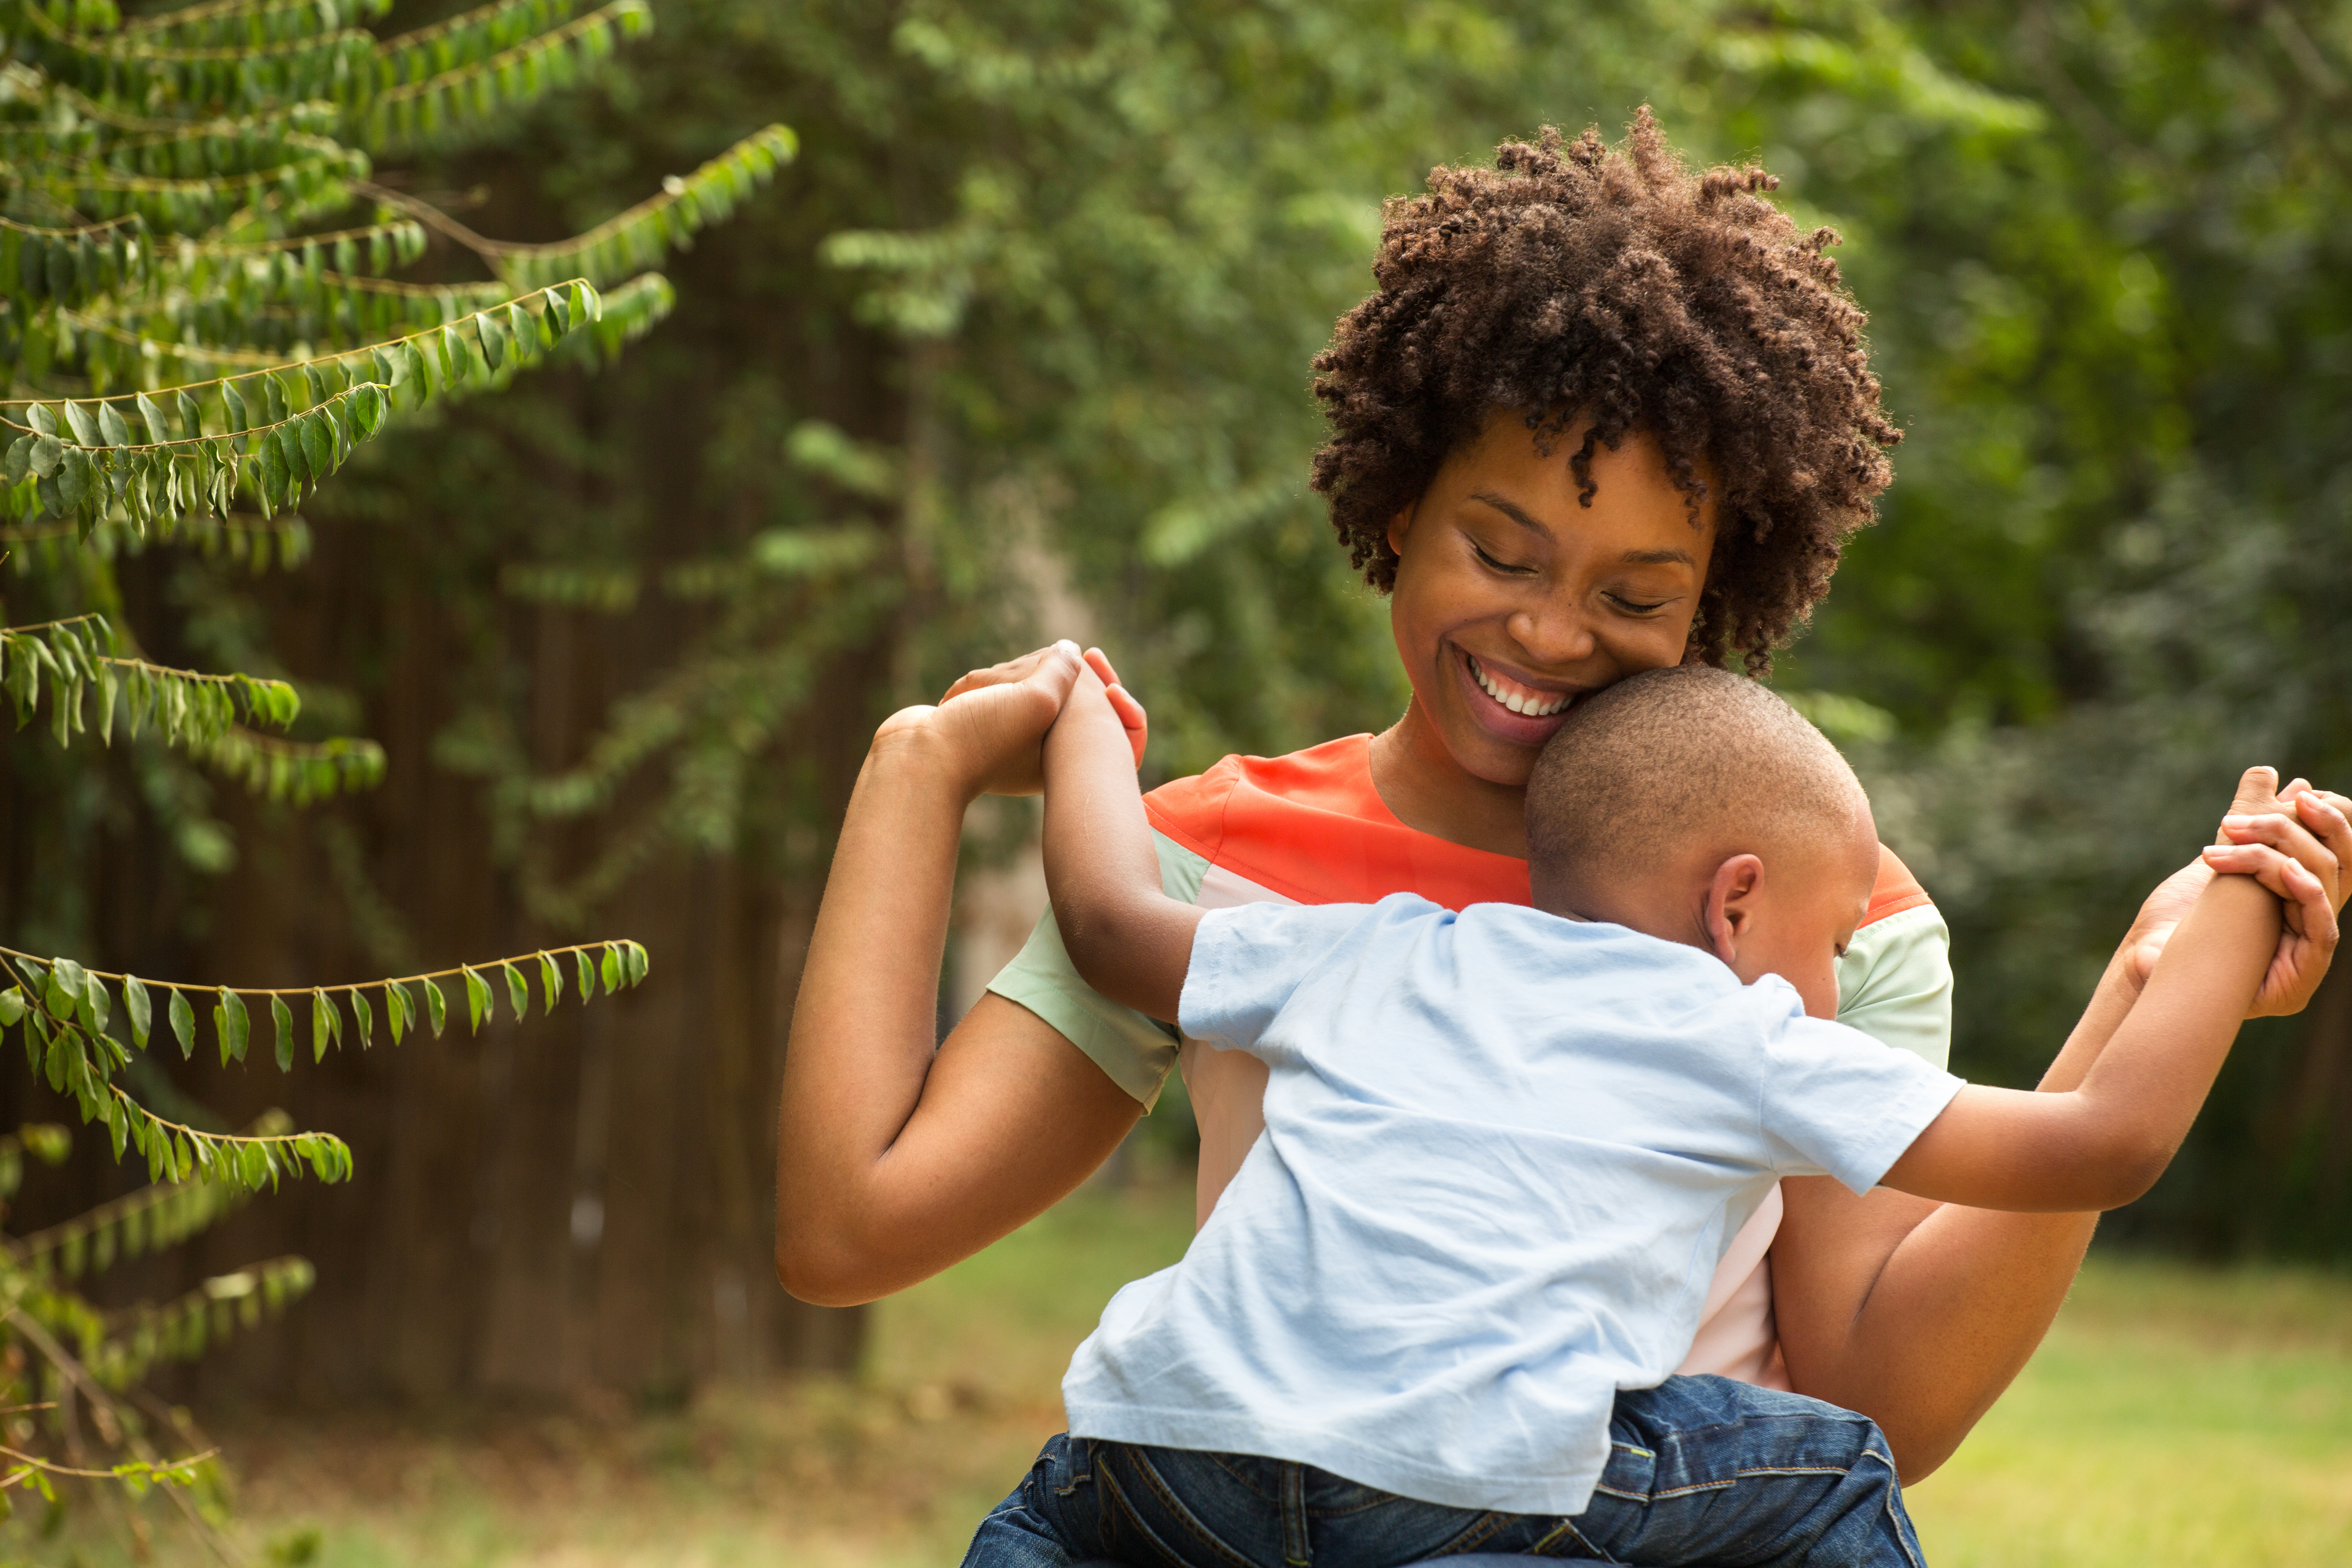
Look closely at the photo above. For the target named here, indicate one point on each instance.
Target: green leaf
(282, 1017)
(326, 1022)
(365, 1017)
(240, 1026)
(233, 401)
(635, 960)
(493, 335)
(112, 426)
(62, 992)
(74, 478)
(586, 968)
(318, 435)
(274, 479)
(84, 426)
(437, 1008)
(550, 981)
(398, 1008)
(184, 1022)
(518, 992)
(612, 967)
(152, 416)
(135, 1003)
(367, 404)
(12, 1006)
(478, 997)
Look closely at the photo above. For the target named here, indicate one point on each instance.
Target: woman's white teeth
(1518, 701)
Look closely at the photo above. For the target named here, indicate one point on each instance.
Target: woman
(1599, 416)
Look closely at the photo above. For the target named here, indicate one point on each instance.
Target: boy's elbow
(1090, 935)
(2130, 1171)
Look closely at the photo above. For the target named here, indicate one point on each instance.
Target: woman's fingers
(2289, 837)
(2329, 818)
(2308, 942)
(2281, 873)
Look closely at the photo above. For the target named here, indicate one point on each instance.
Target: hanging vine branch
(200, 323)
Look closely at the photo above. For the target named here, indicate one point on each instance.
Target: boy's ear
(1731, 905)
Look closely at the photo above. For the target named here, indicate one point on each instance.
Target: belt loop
(1296, 1553)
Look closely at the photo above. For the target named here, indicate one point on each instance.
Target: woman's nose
(1553, 636)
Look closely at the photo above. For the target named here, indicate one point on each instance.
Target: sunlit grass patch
(2175, 1417)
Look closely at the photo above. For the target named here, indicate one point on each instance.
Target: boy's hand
(2297, 844)
(990, 728)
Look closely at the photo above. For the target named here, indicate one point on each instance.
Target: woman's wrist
(910, 749)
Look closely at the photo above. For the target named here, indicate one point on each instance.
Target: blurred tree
(183, 330)
(2112, 571)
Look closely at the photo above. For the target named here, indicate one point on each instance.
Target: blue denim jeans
(1703, 1472)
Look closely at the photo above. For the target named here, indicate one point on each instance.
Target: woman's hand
(2298, 844)
(992, 723)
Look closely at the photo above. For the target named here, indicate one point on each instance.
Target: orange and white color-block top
(1309, 828)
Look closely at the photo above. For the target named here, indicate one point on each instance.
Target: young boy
(1436, 1313)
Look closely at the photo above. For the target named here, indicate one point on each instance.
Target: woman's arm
(1919, 1315)
(892, 1161)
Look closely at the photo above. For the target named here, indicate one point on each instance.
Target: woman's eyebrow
(1515, 511)
(1656, 558)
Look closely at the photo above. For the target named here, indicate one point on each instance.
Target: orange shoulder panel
(1311, 827)
(1895, 890)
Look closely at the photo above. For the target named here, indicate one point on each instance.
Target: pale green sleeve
(1894, 984)
(1137, 1052)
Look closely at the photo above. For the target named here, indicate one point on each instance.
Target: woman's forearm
(864, 1022)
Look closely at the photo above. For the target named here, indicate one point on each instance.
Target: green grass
(2174, 1417)
(2177, 1418)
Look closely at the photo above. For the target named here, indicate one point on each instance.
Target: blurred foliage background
(1019, 346)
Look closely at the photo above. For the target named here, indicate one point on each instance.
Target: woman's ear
(1731, 899)
(1401, 525)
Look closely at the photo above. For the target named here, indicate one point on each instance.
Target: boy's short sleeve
(1247, 961)
(1836, 1102)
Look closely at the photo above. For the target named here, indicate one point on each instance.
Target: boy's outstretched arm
(1127, 939)
(2104, 1142)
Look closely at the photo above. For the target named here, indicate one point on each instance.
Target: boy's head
(1593, 291)
(1692, 803)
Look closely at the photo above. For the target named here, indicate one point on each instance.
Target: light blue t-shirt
(1435, 1282)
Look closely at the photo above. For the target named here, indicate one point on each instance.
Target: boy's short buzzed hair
(1574, 279)
(1642, 767)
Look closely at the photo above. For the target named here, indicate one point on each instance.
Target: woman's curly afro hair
(1575, 280)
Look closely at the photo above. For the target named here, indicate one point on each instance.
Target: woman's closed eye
(1493, 565)
(1636, 606)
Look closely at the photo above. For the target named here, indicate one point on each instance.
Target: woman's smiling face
(1512, 599)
